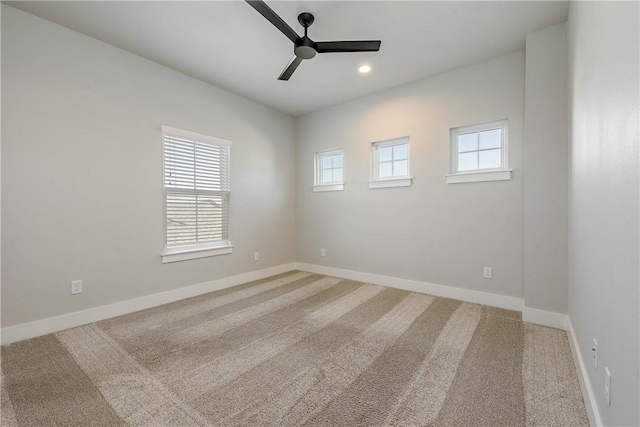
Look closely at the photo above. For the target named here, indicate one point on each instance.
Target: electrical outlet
(256, 256)
(76, 287)
(488, 273)
(607, 386)
(322, 252)
(594, 353)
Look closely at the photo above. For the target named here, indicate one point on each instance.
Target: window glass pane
(337, 161)
(490, 159)
(468, 161)
(181, 218)
(337, 175)
(467, 142)
(209, 218)
(385, 170)
(400, 152)
(490, 139)
(326, 175)
(326, 162)
(384, 154)
(400, 168)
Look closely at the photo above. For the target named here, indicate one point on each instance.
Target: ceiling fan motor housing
(305, 48)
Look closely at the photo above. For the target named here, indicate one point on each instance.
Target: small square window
(329, 171)
(479, 153)
(390, 163)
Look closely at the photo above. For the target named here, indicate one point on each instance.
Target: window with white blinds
(197, 191)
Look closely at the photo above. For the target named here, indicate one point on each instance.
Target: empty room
(320, 213)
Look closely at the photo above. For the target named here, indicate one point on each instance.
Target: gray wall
(433, 231)
(82, 194)
(82, 173)
(545, 163)
(604, 231)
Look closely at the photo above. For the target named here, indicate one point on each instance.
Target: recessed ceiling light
(364, 69)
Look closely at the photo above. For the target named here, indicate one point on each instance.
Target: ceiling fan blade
(273, 17)
(349, 46)
(290, 68)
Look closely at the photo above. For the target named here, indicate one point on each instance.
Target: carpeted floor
(297, 349)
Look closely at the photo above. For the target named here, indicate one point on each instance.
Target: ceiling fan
(304, 47)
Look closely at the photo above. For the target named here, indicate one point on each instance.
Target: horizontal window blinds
(197, 190)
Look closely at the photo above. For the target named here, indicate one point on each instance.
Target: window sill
(328, 187)
(389, 183)
(479, 176)
(186, 253)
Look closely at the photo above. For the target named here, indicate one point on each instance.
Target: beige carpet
(297, 349)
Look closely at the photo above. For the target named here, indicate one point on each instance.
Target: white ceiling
(233, 47)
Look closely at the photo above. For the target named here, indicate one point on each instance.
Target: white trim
(59, 323)
(494, 300)
(393, 141)
(328, 187)
(190, 252)
(181, 133)
(391, 182)
(544, 318)
(479, 127)
(479, 176)
(583, 377)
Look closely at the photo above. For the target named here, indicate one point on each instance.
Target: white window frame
(193, 251)
(396, 181)
(502, 173)
(318, 185)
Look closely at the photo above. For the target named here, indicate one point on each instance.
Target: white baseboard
(585, 383)
(494, 300)
(545, 318)
(530, 315)
(540, 317)
(59, 323)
